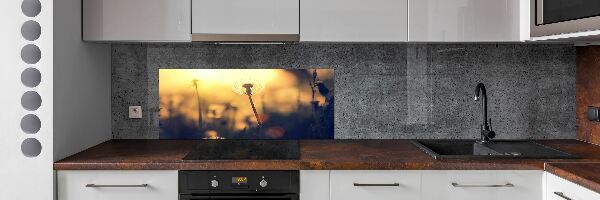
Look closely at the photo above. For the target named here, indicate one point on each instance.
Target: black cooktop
(245, 150)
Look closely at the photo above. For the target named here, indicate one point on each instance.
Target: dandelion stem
(249, 93)
(313, 83)
(199, 105)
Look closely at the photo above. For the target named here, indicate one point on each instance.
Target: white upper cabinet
(307, 20)
(353, 20)
(245, 20)
(468, 20)
(136, 20)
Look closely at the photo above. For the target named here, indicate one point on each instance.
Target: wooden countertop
(584, 174)
(315, 154)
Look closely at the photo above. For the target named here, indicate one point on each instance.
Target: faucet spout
(486, 132)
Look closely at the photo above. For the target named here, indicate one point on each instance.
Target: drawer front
(560, 189)
(314, 185)
(117, 185)
(376, 185)
(482, 185)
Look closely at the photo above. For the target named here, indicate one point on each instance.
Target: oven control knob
(214, 183)
(263, 183)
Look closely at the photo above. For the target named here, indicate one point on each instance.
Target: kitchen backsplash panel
(282, 104)
(382, 90)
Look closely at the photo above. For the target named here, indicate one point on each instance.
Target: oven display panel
(239, 181)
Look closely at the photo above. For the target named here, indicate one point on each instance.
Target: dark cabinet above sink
(501, 149)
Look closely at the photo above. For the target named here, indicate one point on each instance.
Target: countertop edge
(299, 165)
(573, 177)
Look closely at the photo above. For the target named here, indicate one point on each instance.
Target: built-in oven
(554, 17)
(237, 185)
(238, 197)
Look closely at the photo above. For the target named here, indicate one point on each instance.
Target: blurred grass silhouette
(293, 104)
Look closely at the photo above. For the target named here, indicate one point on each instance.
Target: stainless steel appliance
(553, 17)
(234, 185)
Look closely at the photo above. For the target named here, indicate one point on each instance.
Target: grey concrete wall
(382, 90)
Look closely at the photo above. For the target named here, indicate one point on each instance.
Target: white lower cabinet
(314, 184)
(117, 185)
(482, 185)
(560, 189)
(375, 185)
(432, 185)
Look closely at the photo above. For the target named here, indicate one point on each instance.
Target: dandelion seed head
(241, 86)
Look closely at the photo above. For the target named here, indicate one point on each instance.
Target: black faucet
(486, 129)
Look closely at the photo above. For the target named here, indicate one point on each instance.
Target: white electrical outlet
(135, 112)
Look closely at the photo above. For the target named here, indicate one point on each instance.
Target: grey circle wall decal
(31, 77)
(31, 54)
(31, 30)
(31, 147)
(31, 100)
(31, 8)
(31, 124)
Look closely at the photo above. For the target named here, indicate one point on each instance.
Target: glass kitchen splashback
(246, 103)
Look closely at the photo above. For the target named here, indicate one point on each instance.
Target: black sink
(471, 149)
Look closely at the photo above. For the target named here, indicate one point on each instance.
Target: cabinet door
(136, 20)
(314, 185)
(353, 20)
(247, 17)
(117, 185)
(468, 20)
(482, 185)
(561, 189)
(374, 184)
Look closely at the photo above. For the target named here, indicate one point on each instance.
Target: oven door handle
(245, 196)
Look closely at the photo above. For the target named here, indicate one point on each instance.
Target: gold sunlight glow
(222, 77)
(220, 94)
